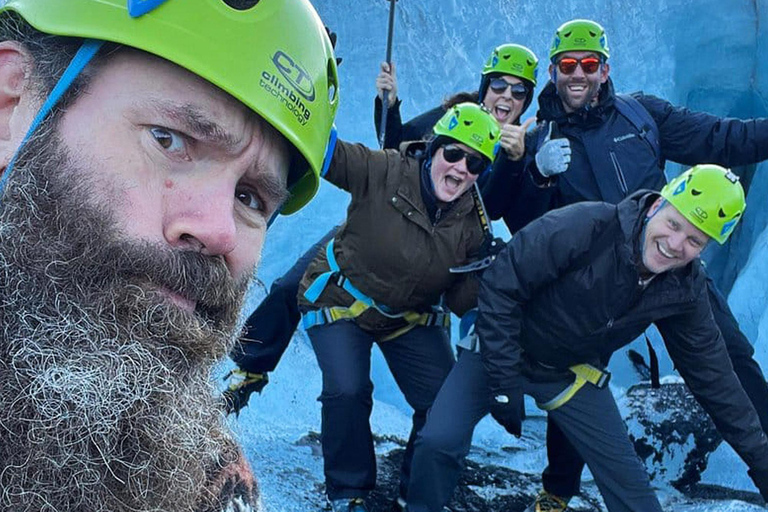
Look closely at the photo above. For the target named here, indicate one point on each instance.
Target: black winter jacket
(610, 159)
(566, 290)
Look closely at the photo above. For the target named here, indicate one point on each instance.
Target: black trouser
(270, 327)
(563, 475)
(419, 360)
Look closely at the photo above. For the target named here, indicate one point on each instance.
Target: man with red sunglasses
(595, 145)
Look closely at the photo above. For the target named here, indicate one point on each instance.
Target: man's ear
(654, 209)
(17, 99)
(552, 73)
(605, 71)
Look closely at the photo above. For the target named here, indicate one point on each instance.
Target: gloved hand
(507, 408)
(554, 156)
(760, 478)
(237, 395)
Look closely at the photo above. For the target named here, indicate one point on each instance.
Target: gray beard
(106, 401)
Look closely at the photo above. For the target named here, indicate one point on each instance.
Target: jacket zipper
(619, 175)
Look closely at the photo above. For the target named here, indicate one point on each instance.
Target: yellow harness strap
(584, 373)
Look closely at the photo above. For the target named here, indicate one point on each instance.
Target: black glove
(506, 408)
(760, 478)
(237, 395)
(332, 37)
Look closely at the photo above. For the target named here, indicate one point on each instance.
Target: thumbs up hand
(554, 156)
(513, 139)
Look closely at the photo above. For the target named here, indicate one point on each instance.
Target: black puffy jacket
(566, 290)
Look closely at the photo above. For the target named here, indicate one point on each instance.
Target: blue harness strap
(319, 284)
(83, 56)
(362, 303)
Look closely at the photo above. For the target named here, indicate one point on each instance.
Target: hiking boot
(349, 505)
(546, 502)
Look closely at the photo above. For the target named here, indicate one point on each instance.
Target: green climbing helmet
(579, 36)
(512, 59)
(710, 197)
(473, 126)
(275, 57)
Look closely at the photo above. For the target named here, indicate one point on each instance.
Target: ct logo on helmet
(453, 123)
(700, 214)
(295, 74)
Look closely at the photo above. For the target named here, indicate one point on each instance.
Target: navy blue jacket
(565, 290)
(610, 160)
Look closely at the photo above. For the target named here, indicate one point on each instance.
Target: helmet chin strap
(83, 56)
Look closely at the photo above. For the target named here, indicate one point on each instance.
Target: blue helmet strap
(84, 55)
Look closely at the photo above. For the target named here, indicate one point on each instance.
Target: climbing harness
(362, 303)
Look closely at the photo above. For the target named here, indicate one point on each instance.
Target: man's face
(578, 88)
(128, 235)
(670, 240)
(451, 179)
(505, 105)
(179, 162)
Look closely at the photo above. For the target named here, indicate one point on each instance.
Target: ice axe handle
(385, 96)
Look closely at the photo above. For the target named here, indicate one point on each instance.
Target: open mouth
(452, 183)
(664, 252)
(501, 112)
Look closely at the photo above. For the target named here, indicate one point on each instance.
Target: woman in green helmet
(385, 277)
(507, 81)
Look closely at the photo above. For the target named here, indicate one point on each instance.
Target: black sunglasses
(475, 164)
(499, 85)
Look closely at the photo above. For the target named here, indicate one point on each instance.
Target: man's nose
(203, 219)
(676, 241)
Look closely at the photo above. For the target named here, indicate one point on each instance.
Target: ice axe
(385, 96)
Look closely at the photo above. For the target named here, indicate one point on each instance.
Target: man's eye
(249, 198)
(168, 139)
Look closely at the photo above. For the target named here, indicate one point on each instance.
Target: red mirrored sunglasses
(567, 65)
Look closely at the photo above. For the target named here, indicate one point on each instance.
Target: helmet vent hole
(467, 123)
(721, 213)
(695, 192)
(592, 34)
(241, 5)
(567, 34)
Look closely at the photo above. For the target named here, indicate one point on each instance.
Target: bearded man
(143, 155)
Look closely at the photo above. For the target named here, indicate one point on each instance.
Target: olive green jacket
(388, 248)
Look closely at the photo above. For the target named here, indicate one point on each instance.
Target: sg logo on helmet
(295, 74)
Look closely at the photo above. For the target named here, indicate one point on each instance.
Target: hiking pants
(419, 360)
(563, 474)
(590, 421)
